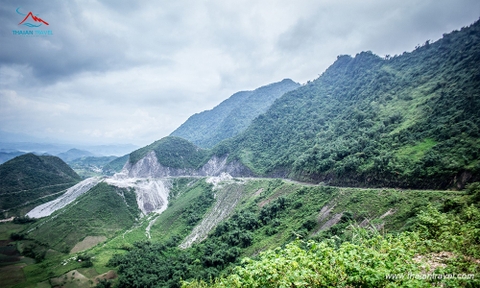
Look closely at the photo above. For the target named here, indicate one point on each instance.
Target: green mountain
(115, 165)
(232, 116)
(405, 121)
(268, 213)
(217, 223)
(29, 180)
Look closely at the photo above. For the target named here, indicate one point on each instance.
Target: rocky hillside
(174, 156)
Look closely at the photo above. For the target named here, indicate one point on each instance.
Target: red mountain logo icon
(34, 18)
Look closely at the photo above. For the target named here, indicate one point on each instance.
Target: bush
(17, 236)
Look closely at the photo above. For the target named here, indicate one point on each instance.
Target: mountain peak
(233, 115)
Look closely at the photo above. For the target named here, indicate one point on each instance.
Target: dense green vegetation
(232, 116)
(442, 251)
(405, 121)
(29, 180)
(173, 152)
(163, 263)
(273, 213)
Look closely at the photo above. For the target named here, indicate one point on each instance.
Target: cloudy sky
(133, 71)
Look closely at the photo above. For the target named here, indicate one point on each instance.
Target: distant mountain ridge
(34, 146)
(73, 154)
(9, 154)
(232, 116)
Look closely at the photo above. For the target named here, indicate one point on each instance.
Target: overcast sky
(133, 71)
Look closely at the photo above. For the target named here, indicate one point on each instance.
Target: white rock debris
(151, 194)
(216, 180)
(149, 166)
(68, 197)
(225, 202)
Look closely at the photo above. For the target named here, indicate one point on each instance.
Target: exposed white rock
(332, 221)
(151, 194)
(72, 193)
(215, 166)
(149, 166)
(149, 226)
(216, 180)
(391, 211)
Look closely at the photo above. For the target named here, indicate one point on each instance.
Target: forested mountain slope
(29, 177)
(232, 116)
(409, 121)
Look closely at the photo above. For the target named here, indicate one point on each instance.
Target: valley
(370, 170)
(242, 217)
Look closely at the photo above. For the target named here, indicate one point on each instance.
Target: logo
(31, 21)
(33, 18)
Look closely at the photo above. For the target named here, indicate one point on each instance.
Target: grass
(7, 228)
(416, 152)
(305, 203)
(11, 275)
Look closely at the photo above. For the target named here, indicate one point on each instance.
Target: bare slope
(68, 197)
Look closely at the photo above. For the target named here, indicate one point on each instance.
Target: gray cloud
(133, 71)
